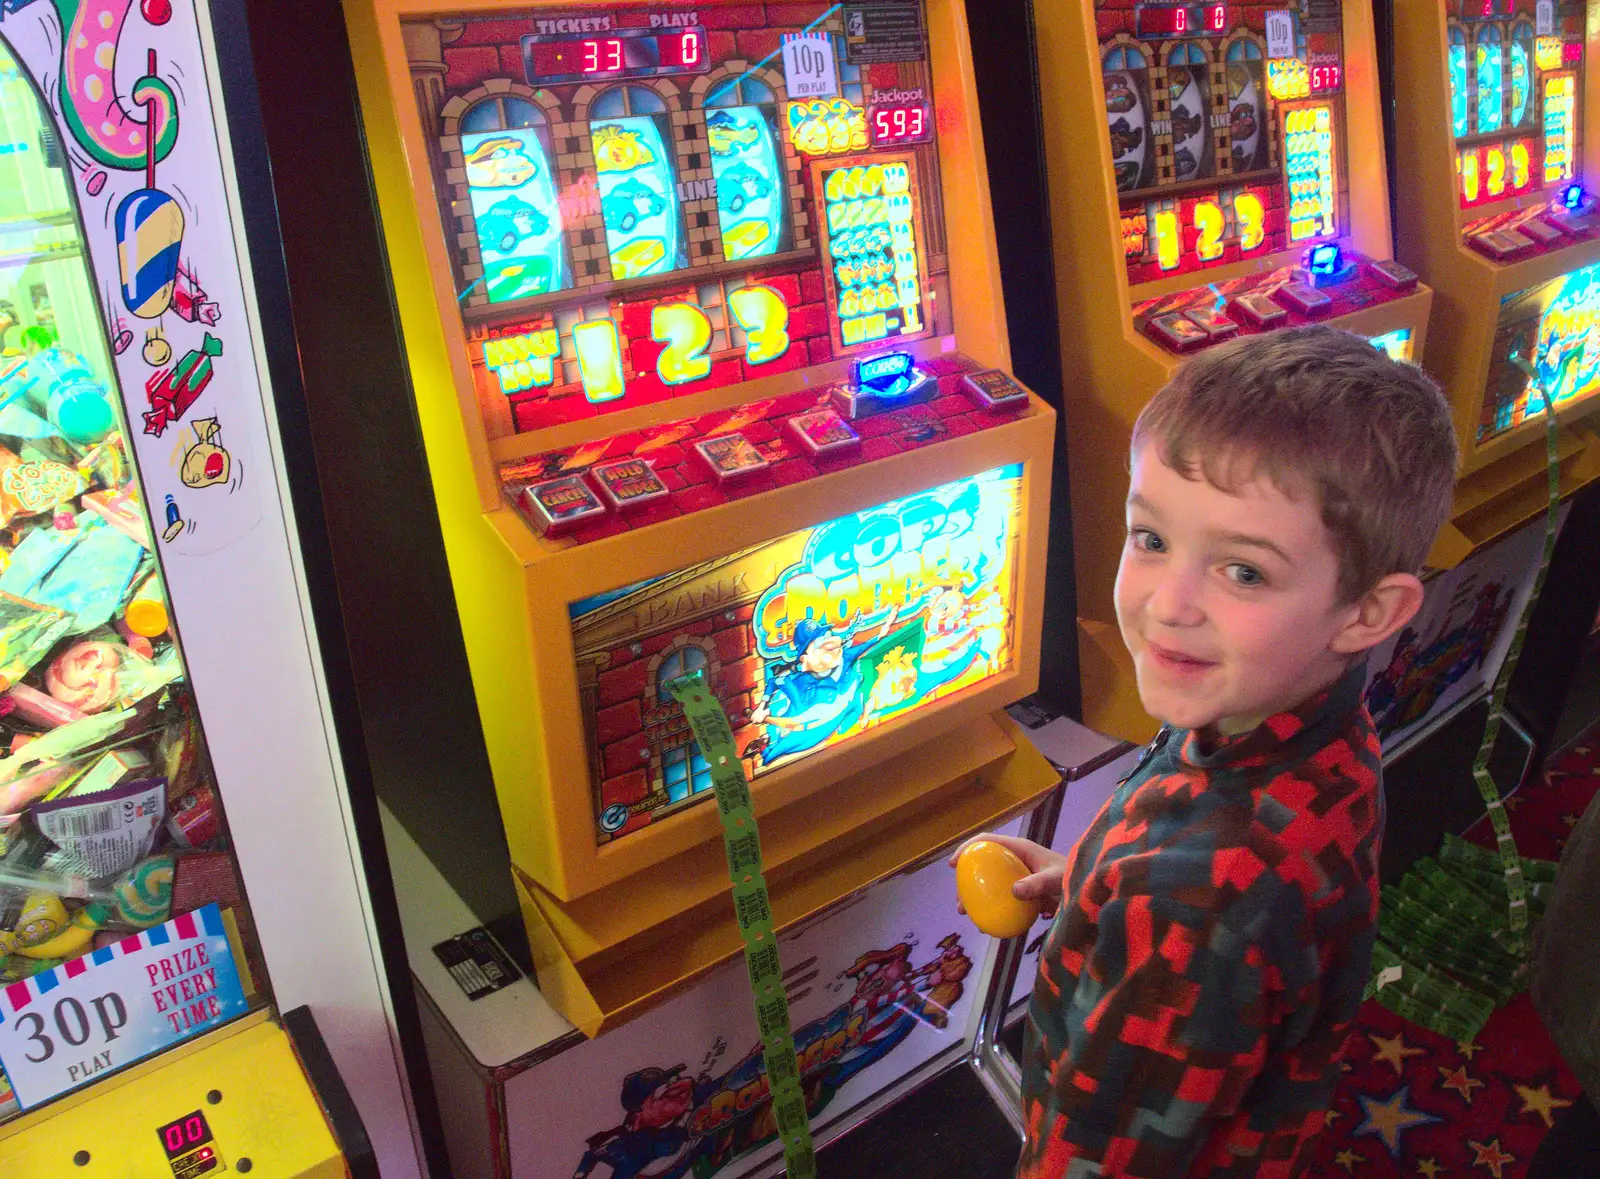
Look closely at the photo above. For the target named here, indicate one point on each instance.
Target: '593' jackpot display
(708, 306)
(1244, 148)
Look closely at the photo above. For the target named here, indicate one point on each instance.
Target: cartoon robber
(819, 694)
(653, 1141)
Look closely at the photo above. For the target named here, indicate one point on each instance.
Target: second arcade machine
(1493, 169)
(1216, 170)
(706, 333)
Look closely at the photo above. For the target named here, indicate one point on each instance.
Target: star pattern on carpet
(1428, 1168)
(1468, 1048)
(1490, 1156)
(1330, 1117)
(1347, 1159)
(1458, 1080)
(1392, 1118)
(1541, 1101)
(1513, 803)
(1393, 1049)
(1570, 820)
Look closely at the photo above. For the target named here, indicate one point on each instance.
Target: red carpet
(1414, 1103)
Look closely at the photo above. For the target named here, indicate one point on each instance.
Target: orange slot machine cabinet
(1494, 167)
(1216, 170)
(705, 329)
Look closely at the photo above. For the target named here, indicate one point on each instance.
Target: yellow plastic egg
(985, 872)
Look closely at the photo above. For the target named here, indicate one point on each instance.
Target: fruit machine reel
(140, 1029)
(1494, 209)
(706, 333)
(1216, 171)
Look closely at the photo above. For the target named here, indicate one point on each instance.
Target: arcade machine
(707, 339)
(1217, 170)
(1493, 168)
(176, 869)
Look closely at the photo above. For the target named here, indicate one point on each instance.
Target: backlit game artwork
(1514, 72)
(1556, 327)
(642, 203)
(808, 640)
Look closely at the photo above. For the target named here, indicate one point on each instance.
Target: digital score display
(188, 1139)
(1326, 77)
(899, 123)
(1158, 21)
(619, 53)
(1487, 9)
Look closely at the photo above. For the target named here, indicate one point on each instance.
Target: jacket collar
(1283, 737)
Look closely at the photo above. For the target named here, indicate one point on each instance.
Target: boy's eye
(1245, 575)
(1146, 541)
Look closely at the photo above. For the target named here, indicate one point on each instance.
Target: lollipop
(149, 227)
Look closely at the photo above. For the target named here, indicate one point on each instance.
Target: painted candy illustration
(97, 118)
(149, 227)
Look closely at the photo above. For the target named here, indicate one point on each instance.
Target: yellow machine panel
(707, 338)
(1493, 162)
(1216, 170)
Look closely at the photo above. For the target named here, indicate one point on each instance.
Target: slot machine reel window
(505, 141)
(1247, 105)
(747, 165)
(1490, 77)
(1189, 100)
(637, 175)
(1126, 72)
(1521, 64)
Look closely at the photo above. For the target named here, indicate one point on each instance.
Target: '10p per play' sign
(106, 1010)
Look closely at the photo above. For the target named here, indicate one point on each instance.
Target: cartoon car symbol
(739, 185)
(509, 221)
(500, 162)
(628, 203)
(727, 134)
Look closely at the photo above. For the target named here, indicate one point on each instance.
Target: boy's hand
(1047, 870)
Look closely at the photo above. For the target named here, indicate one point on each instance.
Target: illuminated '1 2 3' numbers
(1210, 226)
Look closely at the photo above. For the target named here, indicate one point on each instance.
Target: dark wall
(408, 669)
(1008, 98)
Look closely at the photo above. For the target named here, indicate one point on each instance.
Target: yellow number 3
(686, 331)
(764, 316)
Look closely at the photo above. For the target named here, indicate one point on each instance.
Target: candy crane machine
(1216, 170)
(1494, 168)
(706, 334)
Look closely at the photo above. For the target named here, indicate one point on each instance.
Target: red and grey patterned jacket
(1196, 988)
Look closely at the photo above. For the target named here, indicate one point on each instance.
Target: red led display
(614, 55)
(1486, 9)
(901, 123)
(683, 51)
(183, 1135)
(1180, 20)
(1572, 53)
(1325, 79)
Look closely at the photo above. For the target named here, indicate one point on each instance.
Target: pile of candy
(109, 819)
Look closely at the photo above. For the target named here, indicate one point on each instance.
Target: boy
(1216, 920)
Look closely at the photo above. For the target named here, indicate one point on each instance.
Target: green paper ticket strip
(753, 911)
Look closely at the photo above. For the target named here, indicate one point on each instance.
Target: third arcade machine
(705, 329)
(1494, 167)
(1216, 170)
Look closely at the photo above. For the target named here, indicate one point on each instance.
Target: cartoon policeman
(819, 694)
(653, 1141)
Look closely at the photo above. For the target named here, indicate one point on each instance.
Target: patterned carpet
(1416, 1104)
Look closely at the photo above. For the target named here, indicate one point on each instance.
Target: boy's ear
(1378, 613)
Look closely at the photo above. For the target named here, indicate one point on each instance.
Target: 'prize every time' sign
(95, 1014)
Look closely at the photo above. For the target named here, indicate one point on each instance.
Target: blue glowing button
(1218, 324)
(1393, 274)
(993, 389)
(1325, 266)
(883, 382)
(1574, 198)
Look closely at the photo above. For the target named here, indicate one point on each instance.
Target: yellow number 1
(764, 316)
(599, 359)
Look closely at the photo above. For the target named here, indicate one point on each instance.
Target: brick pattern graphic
(670, 450)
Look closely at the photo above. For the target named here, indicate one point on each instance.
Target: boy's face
(1227, 601)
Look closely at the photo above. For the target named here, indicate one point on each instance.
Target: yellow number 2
(1208, 221)
(1496, 161)
(764, 316)
(686, 331)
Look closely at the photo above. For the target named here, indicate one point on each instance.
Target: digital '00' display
(808, 640)
(1153, 21)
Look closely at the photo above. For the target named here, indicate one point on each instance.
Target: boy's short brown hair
(1318, 410)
